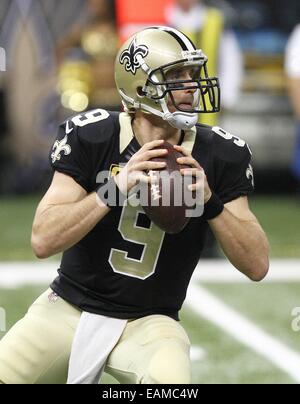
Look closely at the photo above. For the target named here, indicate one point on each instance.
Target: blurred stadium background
(241, 332)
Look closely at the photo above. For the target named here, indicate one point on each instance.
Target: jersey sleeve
(234, 172)
(70, 154)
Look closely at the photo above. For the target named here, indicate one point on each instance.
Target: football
(164, 203)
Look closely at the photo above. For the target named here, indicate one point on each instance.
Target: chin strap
(178, 119)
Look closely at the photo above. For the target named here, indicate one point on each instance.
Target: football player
(115, 262)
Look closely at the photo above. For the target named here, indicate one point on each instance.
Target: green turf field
(280, 217)
(225, 358)
(16, 217)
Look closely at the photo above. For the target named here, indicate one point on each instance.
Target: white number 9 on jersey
(228, 136)
(93, 116)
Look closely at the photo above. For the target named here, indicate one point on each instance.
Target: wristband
(213, 207)
(110, 194)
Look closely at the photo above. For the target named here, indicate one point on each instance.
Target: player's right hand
(134, 171)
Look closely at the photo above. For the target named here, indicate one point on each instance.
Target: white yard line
(197, 353)
(221, 271)
(14, 274)
(17, 274)
(214, 310)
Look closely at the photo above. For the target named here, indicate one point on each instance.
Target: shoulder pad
(95, 126)
(205, 133)
(228, 147)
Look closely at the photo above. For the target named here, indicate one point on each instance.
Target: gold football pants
(153, 349)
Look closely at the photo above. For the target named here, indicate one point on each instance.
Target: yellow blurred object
(208, 39)
(76, 101)
(90, 82)
(74, 84)
(99, 44)
(79, 102)
(264, 73)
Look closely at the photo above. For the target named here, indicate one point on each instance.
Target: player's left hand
(196, 170)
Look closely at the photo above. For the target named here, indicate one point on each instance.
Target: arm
(242, 239)
(64, 216)
(236, 228)
(67, 213)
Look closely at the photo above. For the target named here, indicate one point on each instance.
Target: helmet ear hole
(140, 91)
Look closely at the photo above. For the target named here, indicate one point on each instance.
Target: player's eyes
(175, 85)
(184, 75)
(174, 76)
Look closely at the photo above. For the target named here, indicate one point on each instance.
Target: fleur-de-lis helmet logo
(130, 57)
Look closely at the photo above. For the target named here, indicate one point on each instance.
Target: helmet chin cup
(181, 120)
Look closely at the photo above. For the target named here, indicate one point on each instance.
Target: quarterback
(115, 262)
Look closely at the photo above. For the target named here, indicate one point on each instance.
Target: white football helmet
(141, 73)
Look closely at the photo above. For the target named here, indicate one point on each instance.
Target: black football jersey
(127, 267)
